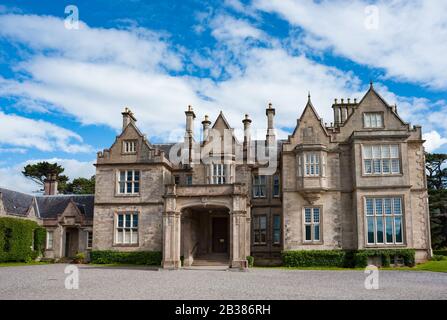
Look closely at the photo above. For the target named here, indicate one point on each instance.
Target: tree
(39, 171)
(81, 186)
(437, 190)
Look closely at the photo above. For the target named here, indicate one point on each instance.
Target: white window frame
(131, 229)
(259, 186)
(49, 244)
(373, 120)
(218, 173)
(89, 245)
(381, 156)
(387, 217)
(312, 164)
(261, 231)
(312, 223)
(129, 146)
(133, 182)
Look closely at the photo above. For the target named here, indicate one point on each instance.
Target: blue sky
(62, 90)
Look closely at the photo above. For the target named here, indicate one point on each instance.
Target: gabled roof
(309, 107)
(222, 117)
(19, 203)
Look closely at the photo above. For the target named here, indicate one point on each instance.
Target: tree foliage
(38, 172)
(436, 167)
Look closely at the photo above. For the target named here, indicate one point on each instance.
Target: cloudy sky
(62, 88)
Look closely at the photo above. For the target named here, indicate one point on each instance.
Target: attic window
(373, 119)
(129, 146)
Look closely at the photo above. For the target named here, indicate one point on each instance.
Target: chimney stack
(50, 185)
(206, 127)
(189, 134)
(271, 137)
(128, 117)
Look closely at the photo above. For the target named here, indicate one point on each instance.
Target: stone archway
(180, 199)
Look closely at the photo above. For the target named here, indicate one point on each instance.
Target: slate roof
(45, 207)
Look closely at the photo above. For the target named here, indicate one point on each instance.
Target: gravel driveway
(48, 282)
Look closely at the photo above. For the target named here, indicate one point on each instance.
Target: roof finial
(308, 96)
(371, 84)
(270, 105)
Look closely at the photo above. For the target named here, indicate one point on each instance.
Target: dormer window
(373, 120)
(129, 146)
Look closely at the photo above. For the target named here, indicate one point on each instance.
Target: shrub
(442, 252)
(251, 261)
(438, 257)
(17, 237)
(361, 256)
(152, 258)
(79, 257)
(314, 258)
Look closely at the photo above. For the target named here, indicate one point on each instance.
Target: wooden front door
(220, 235)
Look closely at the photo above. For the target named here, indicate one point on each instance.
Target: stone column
(171, 240)
(238, 254)
(171, 230)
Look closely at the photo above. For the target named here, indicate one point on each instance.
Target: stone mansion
(356, 184)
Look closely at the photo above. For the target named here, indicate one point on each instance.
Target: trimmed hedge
(361, 256)
(314, 258)
(152, 258)
(344, 258)
(442, 252)
(20, 240)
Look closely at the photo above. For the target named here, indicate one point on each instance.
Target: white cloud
(433, 141)
(409, 42)
(23, 132)
(12, 178)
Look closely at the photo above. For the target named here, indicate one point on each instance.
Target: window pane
(276, 236)
(369, 207)
(127, 221)
(137, 176)
(379, 229)
(377, 166)
(129, 187)
(397, 206)
(308, 232)
(307, 213)
(367, 120)
(387, 205)
(395, 167)
(129, 176)
(389, 229)
(134, 236)
(368, 166)
(370, 222)
(120, 220)
(256, 223)
(119, 236)
(263, 223)
(394, 151)
(398, 227)
(316, 215)
(367, 152)
(263, 236)
(379, 210)
(317, 232)
(386, 166)
(385, 151)
(379, 119)
(122, 175)
(135, 221)
(136, 187)
(122, 187)
(276, 222)
(257, 237)
(126, 236)
(376, 152)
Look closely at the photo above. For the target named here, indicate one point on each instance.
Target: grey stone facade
(358, 183)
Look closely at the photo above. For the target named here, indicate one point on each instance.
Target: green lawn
(435, 266)
(19, 264)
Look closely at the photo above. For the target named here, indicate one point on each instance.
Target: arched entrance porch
(205, 235)
(206, 219)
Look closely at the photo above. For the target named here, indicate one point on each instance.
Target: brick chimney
(50, 185)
